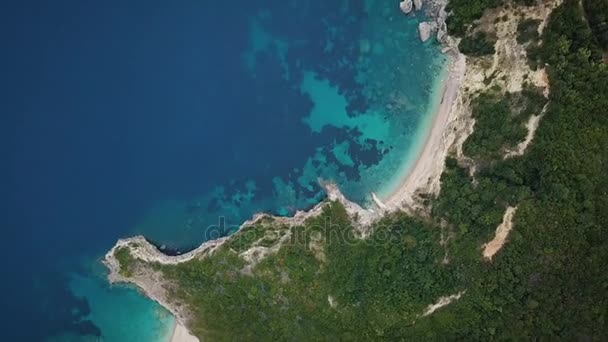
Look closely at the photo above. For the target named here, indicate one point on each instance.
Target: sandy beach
(424, 175)
(181, 334)
(449, 124)
(444, 131)
(453, 122)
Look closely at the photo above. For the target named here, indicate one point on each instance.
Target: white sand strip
(181, 334)
(424, 175)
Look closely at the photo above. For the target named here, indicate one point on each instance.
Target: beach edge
(422, 177)
(449, 125)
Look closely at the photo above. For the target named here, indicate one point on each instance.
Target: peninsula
(498, 230)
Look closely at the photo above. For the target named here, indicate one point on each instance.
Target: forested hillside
(548, 282)
(597, 15)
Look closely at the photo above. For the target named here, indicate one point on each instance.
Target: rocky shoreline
(450, 132)
(435, 11)
(153, 286)
(151, 282)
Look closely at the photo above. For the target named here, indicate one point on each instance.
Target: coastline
(181, 334)
(453, 121)
(423, 176)
(449, 125)
(312, 288)
(152, 285)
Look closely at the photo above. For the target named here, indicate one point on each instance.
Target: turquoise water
(181, 120)
(121, 312)
(376, 126)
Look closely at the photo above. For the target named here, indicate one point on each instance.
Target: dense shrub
(464, 12)
(549, 282)
(477, 45)
(597, 15)
(527, 30)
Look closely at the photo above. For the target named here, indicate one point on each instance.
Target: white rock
(442, 32)
(406, 6)
(425, 29)
(418, 5)
(443, 15)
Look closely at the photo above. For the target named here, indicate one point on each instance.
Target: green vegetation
(477, 45)
(495, 127)
(549, 282)
(464, 12)
(125, 260)
(527, 30)
(597, 16)
(376, 284)
(500, 122)
(264, 233)
(245, 238)
(527, 33)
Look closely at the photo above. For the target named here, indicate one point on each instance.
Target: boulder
(418, 5)
(425, 29)
(406, 6)
(442, 32)
(443, 15)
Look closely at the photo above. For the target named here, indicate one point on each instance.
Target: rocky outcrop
(406, 6)
(151, 281)
(442, 32)
(144, 251)
(155, 286)
(435, 10)
(442, 28)
(418, 5)
(426, 29)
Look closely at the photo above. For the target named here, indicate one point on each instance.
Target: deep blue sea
(178, 120)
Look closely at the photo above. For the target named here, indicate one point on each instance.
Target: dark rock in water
(169, 250)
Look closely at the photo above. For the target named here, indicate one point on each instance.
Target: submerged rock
(426, 29)
(364, 46)
(406, 6)
(418, 5)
